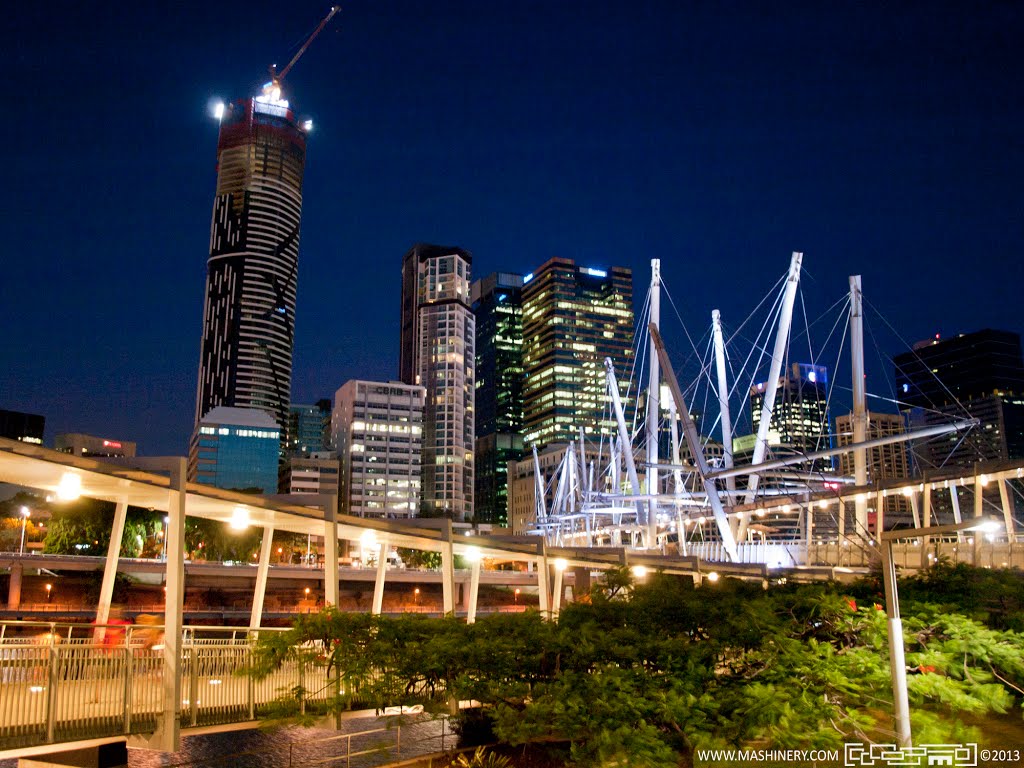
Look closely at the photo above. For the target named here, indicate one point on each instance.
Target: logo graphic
(891, 756)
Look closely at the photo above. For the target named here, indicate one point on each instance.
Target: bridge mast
(653, 407)
(860, 416)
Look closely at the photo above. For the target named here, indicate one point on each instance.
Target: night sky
(879, 138)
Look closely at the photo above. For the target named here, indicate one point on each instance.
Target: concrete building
(316, 473)
(378, 430)
(26, 427)
(498, 306)
(800, 419)
(885, 462)
(249, 312)
(236, 448)
(309, 428)
(436, 351)
(93, 447)
(975, 375)
(573, 318)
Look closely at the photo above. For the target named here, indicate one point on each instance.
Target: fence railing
(63, 682)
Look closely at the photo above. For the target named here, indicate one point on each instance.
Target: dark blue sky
(879, 138)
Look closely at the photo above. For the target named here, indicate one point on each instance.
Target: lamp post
(25, 514)
(49, 587)
(897, 664)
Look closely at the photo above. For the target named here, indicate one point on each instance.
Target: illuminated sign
(528, 278)
(111, 444)
(594, 272)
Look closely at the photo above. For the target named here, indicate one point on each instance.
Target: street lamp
(25, 514)
(897, 664)
(48, 588)
(516, 598)
(416, 596)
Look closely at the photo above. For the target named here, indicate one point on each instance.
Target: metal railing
(64, 682)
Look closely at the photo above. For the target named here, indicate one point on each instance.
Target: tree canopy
(646, 674)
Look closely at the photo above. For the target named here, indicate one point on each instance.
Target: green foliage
(417, 558)
(643, 674)
(481, 758)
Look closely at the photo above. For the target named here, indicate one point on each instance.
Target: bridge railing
(61, 683)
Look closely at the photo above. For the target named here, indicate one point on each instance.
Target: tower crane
(273, 88)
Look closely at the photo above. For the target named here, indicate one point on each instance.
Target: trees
(645, 674)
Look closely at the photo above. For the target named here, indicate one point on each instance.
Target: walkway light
(561, 564)
(639, 571)
(70, 487)
(897, 663)
(239, 519)
(713, 576)
(472, 554)
(25, 514)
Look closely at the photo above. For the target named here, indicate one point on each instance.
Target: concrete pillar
(14, 587)
(331, 551)
(581, 582)
(474, 590)
(168, 728)
(114, 755)
(259, 592)
(543, 587)
(448, 572)
(556, 592)
(110, 567)
(1006, 500)
(378, 583)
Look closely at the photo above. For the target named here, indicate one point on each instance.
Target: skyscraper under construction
(248, 318)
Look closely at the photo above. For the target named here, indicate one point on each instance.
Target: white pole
(693, 441)
(624, 441)
(860, 412)
(538, 478)
(774, 370)
(653, 405)
(448, 572)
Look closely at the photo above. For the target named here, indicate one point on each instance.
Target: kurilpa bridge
(64, 688)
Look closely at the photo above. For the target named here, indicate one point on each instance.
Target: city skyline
(878, 142)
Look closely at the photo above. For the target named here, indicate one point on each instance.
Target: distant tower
(800, 419)
(438, 335)
(573, 318)
(249, 314)
(498, 306)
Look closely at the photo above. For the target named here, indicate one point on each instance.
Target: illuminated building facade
(885, 462)
(378, 430)
(974, 375)
(236, 449)
(93, 447)
(26, 427)
(309, 428)
(573, 318)
(498, 306)
(316, 472)
(800, 420)
(248, 317)
(436, 351)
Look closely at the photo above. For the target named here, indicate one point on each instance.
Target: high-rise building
(800, 420)
(314, 473)
(26, 427)
(378, 430)
(309, 428)
(884, 462)
(93, 447)
(974, 375)
(249, 313)
(573, 318)
(498, 306)
(236, 449)
(437, 347)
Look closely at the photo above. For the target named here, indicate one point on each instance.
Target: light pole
(25, 514)
(897, 664)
